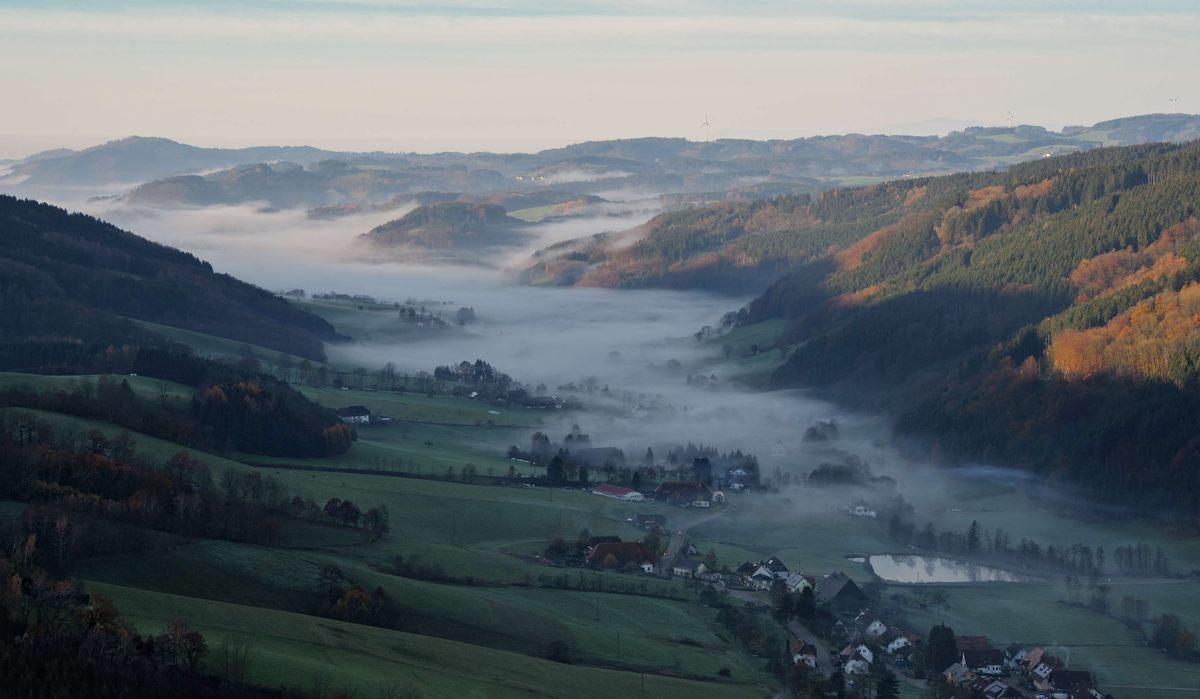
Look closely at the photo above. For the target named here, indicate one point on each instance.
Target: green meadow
(300, 650)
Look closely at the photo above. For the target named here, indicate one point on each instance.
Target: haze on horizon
(530, 74)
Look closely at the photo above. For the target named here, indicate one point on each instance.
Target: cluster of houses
(688, 494)
(979, 672)
(980, 668)
(681, 493)
(1047, 673)
(836, 589)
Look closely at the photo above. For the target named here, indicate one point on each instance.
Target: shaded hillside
(73, 276)
(731, 247)
(1047, 317)
(448, 229)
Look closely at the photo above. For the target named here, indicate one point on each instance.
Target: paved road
(679, 533)
(800, 631)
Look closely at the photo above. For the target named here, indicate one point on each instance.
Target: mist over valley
(468, 350)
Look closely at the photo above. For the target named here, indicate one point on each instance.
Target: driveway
(679, 533)
(801, 632)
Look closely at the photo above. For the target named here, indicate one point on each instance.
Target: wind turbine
(1172, 100)
(706, 126)
(1009, 119)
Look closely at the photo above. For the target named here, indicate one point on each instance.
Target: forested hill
(72, 276)
(453, 229)
(1046, 317)
(740, 247)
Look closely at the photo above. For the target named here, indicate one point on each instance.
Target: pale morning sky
(474, 74)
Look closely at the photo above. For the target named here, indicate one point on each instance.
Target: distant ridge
(658, 163)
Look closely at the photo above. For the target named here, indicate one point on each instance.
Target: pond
(934, 569)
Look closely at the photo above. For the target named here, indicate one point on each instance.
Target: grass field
(215, 347)
(423, 449)
(298, 650)
(808, 540)
(533, 214)
(143, 386)
(742, 364)
(658, 635)
(488, 637)
(1019, 613)
(418, 407)
(429, 434)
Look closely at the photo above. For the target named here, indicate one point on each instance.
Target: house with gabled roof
(1040, 674)
(1014, 655)
(870, 625)
(622, 553)
(354, 414)
(776, 567)
(896, 640)
(957, 674)
(1066, 680)
(990, 688)
(972, 642)
(688, 568)
(803, 652)
(985, 661)
(761, 580)
(840, 592)
(617, 492)
(858, 660)
(1033, 658)
(798, 583)
(685, 493)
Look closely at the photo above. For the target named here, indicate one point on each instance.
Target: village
(839, 636)
(859, 646)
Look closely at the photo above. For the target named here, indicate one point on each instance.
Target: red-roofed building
(623, 553)
(617, 492)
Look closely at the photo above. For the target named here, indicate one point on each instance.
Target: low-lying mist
(651, 382)
(233, 235)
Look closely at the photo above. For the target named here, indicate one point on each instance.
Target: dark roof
(353, 410)
(838, 586)
(747, 568)
(976, 658)
(674, 490)
(775, 565)
(1071, 679)
(604, 540)
(623, 551)
(800, 647)
(976, 642)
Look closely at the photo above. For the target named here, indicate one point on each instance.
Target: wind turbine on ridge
(1172, 100)
(706, 126)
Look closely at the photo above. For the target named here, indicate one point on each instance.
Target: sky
(529, 74)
